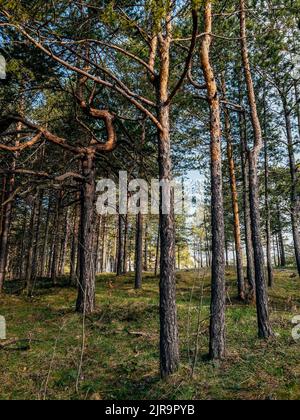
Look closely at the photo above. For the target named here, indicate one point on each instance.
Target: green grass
(120, 360)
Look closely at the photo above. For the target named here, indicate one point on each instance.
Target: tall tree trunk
(218, 298)
(295, 189)
(169, 340)
(75, 245)
(6, 223)
(45, 243)
(235, 203)
(36, 251)
(64, 244)
(282, 256)
(22, 247)
(267, 204)
(120, 246)
(145, 263)
(297, 98)
(86, 288)
(139, 251)
(125, 251)
(32, 246)
(157, 254)
(103, 246)
(246, 205)
(264, 328)
(3, 195)
(56, 239)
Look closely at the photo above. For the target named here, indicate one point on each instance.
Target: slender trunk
(146, 249)
(125, 253)
(226, 254)
(139, 252)
(295, 191)
(103, 266)
(6, 223)
(86, 288)
(36, 253)
(74, 246)
(246, 205)
(264, 328)
(280, 239)
(235, 203)
(56, 239)
(157, 254)
(45, 243)
(32, 245)
(218, 297)
(120, 246)
(297, 98)
(169, 340)
(275, 250)
(268, 212)
(64, 245)
(22, 247)
(3, 195)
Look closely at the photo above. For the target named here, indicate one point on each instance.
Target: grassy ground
(120, 360)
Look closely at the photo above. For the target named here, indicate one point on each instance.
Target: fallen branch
(22, 344)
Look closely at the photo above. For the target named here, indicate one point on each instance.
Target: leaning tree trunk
(264, 328)
(218, 292)
(139, 251)
(86, 284)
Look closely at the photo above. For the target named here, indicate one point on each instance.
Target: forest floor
(120, 357)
